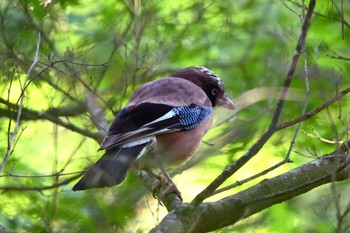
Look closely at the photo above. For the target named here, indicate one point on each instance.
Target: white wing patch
(138, 142)
(150, 146)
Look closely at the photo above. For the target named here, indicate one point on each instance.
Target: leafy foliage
(100, 51)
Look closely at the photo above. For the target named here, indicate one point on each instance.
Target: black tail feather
(111, 169)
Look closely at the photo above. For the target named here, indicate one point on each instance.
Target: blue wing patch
(149, 119)
(190, 116)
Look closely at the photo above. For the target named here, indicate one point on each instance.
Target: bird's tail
(111, 168)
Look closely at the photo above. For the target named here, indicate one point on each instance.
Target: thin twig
(53, 115)
(336, 199)
(318, 136)
(15, 131)
(344, 214)
(287, 157)
(107, 63)
(41, 188)
(342, 163)
(336, 56)
(307, 88)
(290, 9)
(59, 173)
(316, 13)
(314, 111)
(241, 182)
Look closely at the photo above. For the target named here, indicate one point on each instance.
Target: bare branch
(15, 131)
(343, 21)
(28, 114)
(53, 115)
(314, 111)
(97, 114)
(307, 87)
(230, 170)
(208, 216)
(246, 180)
(59, 173)
(336, 56)
(41, 188)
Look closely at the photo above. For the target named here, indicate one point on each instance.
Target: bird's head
(211, 84)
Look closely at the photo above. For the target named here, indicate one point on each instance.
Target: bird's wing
(136, 123)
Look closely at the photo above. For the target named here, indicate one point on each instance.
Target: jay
(162, 125)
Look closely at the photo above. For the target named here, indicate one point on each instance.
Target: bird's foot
(171, 188)
(163, 187)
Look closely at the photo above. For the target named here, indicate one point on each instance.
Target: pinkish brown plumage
(162, 124)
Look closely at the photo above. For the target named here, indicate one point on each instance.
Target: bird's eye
(214, 91)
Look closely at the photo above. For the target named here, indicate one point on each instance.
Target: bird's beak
(225, 102)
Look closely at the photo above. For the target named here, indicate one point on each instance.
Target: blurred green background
(111, 47)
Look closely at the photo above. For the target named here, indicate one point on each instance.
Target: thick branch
(5, 230)
(216, 215)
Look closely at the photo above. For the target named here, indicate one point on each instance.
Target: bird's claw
(171, 188)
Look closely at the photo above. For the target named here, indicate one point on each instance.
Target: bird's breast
(177, 147)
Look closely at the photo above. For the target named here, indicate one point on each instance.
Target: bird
(162, 125)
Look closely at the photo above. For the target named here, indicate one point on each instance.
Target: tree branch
(230, 170)
(314, 111)
(13, 137)
(28, 114)
(42, 188)
(53, 115)
(209, 216)
(5, 230)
